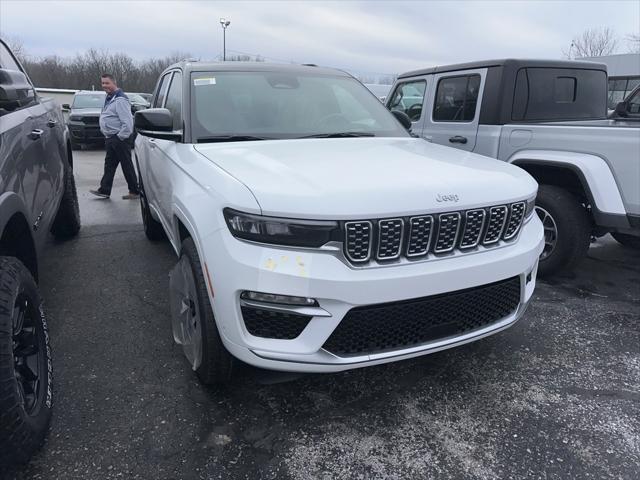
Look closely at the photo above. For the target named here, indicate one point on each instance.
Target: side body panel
(609, 157)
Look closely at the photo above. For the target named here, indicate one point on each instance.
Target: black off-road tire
(67, 221)
(217, 363)
(626, 240)
(152, 228)
(573, 229)
(22, 432)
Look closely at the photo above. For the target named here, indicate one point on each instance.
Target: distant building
(624, 74)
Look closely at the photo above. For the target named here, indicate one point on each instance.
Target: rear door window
(456, 99)
(408, 98)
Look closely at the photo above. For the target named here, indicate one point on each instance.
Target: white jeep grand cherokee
(314, 233)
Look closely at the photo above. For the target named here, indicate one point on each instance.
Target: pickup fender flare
(10, 204)
(593, 172)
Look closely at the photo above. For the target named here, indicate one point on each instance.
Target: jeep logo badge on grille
(447, 198)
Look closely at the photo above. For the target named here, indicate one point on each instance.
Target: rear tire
(626, 240)
(217, 363)
(25, 402)
(572, 229)
(67, 221)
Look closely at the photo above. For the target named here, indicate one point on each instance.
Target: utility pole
(224, 24)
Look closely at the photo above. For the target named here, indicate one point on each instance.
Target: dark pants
(118, 152)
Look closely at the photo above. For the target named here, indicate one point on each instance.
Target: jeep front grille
(419, 236)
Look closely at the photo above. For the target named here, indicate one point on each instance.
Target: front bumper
(81, 133)
(236, 266)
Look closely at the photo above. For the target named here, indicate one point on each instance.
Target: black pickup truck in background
(37, 196)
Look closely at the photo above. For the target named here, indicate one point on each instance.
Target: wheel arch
(586, 176)
(16, 239)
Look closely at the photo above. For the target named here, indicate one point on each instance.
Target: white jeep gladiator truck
(314, 233)
(549, 118)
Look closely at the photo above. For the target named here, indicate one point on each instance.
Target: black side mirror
(403, 118)
(156, 123)
(66, 107)
(15, 90)
(622, 110)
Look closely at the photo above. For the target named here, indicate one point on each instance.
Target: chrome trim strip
(455, 239)
(484, 218)
(504, 222)
(378, 257)
(279, 307)
(420, 254)
(515, 232)
(346, 241)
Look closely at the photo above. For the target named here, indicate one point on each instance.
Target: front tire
(152, 228)
(213, 363)
(25, 365)
(67, 221)
(625, 240)
(567, 229)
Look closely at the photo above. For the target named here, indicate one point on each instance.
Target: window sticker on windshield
(204, 81)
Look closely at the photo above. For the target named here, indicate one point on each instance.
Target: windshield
(88, 101)
(285, 105)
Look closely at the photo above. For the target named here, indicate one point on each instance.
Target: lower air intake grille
(269, 324)
(393, 326)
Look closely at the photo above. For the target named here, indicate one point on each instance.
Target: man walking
(116, 124)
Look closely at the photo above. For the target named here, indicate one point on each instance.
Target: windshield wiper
(340, 135)
(230, 138)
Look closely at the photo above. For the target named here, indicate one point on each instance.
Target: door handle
(52, 123)
(458, 139)
(35, 134)
(152, 143)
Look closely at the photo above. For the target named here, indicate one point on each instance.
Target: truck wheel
(630, 241)
(567, 229)
(194, 320)
(152, 228)
(67, 221)
(25, 364)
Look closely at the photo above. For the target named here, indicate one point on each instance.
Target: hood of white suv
(358, 178)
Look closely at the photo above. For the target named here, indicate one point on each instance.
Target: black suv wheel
(25, 364)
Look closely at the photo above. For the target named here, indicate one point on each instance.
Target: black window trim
(174, 75)
(157, 92)
(435, 97)
(406, 82)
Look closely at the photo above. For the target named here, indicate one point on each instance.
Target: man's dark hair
(109, 76)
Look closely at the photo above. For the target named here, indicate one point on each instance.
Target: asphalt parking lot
(556, 396)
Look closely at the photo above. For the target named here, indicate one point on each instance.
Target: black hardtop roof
(188, 66)
(511, 63)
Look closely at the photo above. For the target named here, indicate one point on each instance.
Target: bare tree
(633, 41)
(593, 42)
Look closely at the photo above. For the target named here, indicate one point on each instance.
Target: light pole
(224, 24)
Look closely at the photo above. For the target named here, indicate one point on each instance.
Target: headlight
(280, 231)
(530, 206)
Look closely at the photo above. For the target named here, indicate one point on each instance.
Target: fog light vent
(281, 299)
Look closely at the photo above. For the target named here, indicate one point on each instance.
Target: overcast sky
(374, 36)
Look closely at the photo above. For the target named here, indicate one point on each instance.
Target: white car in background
(314, 234)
